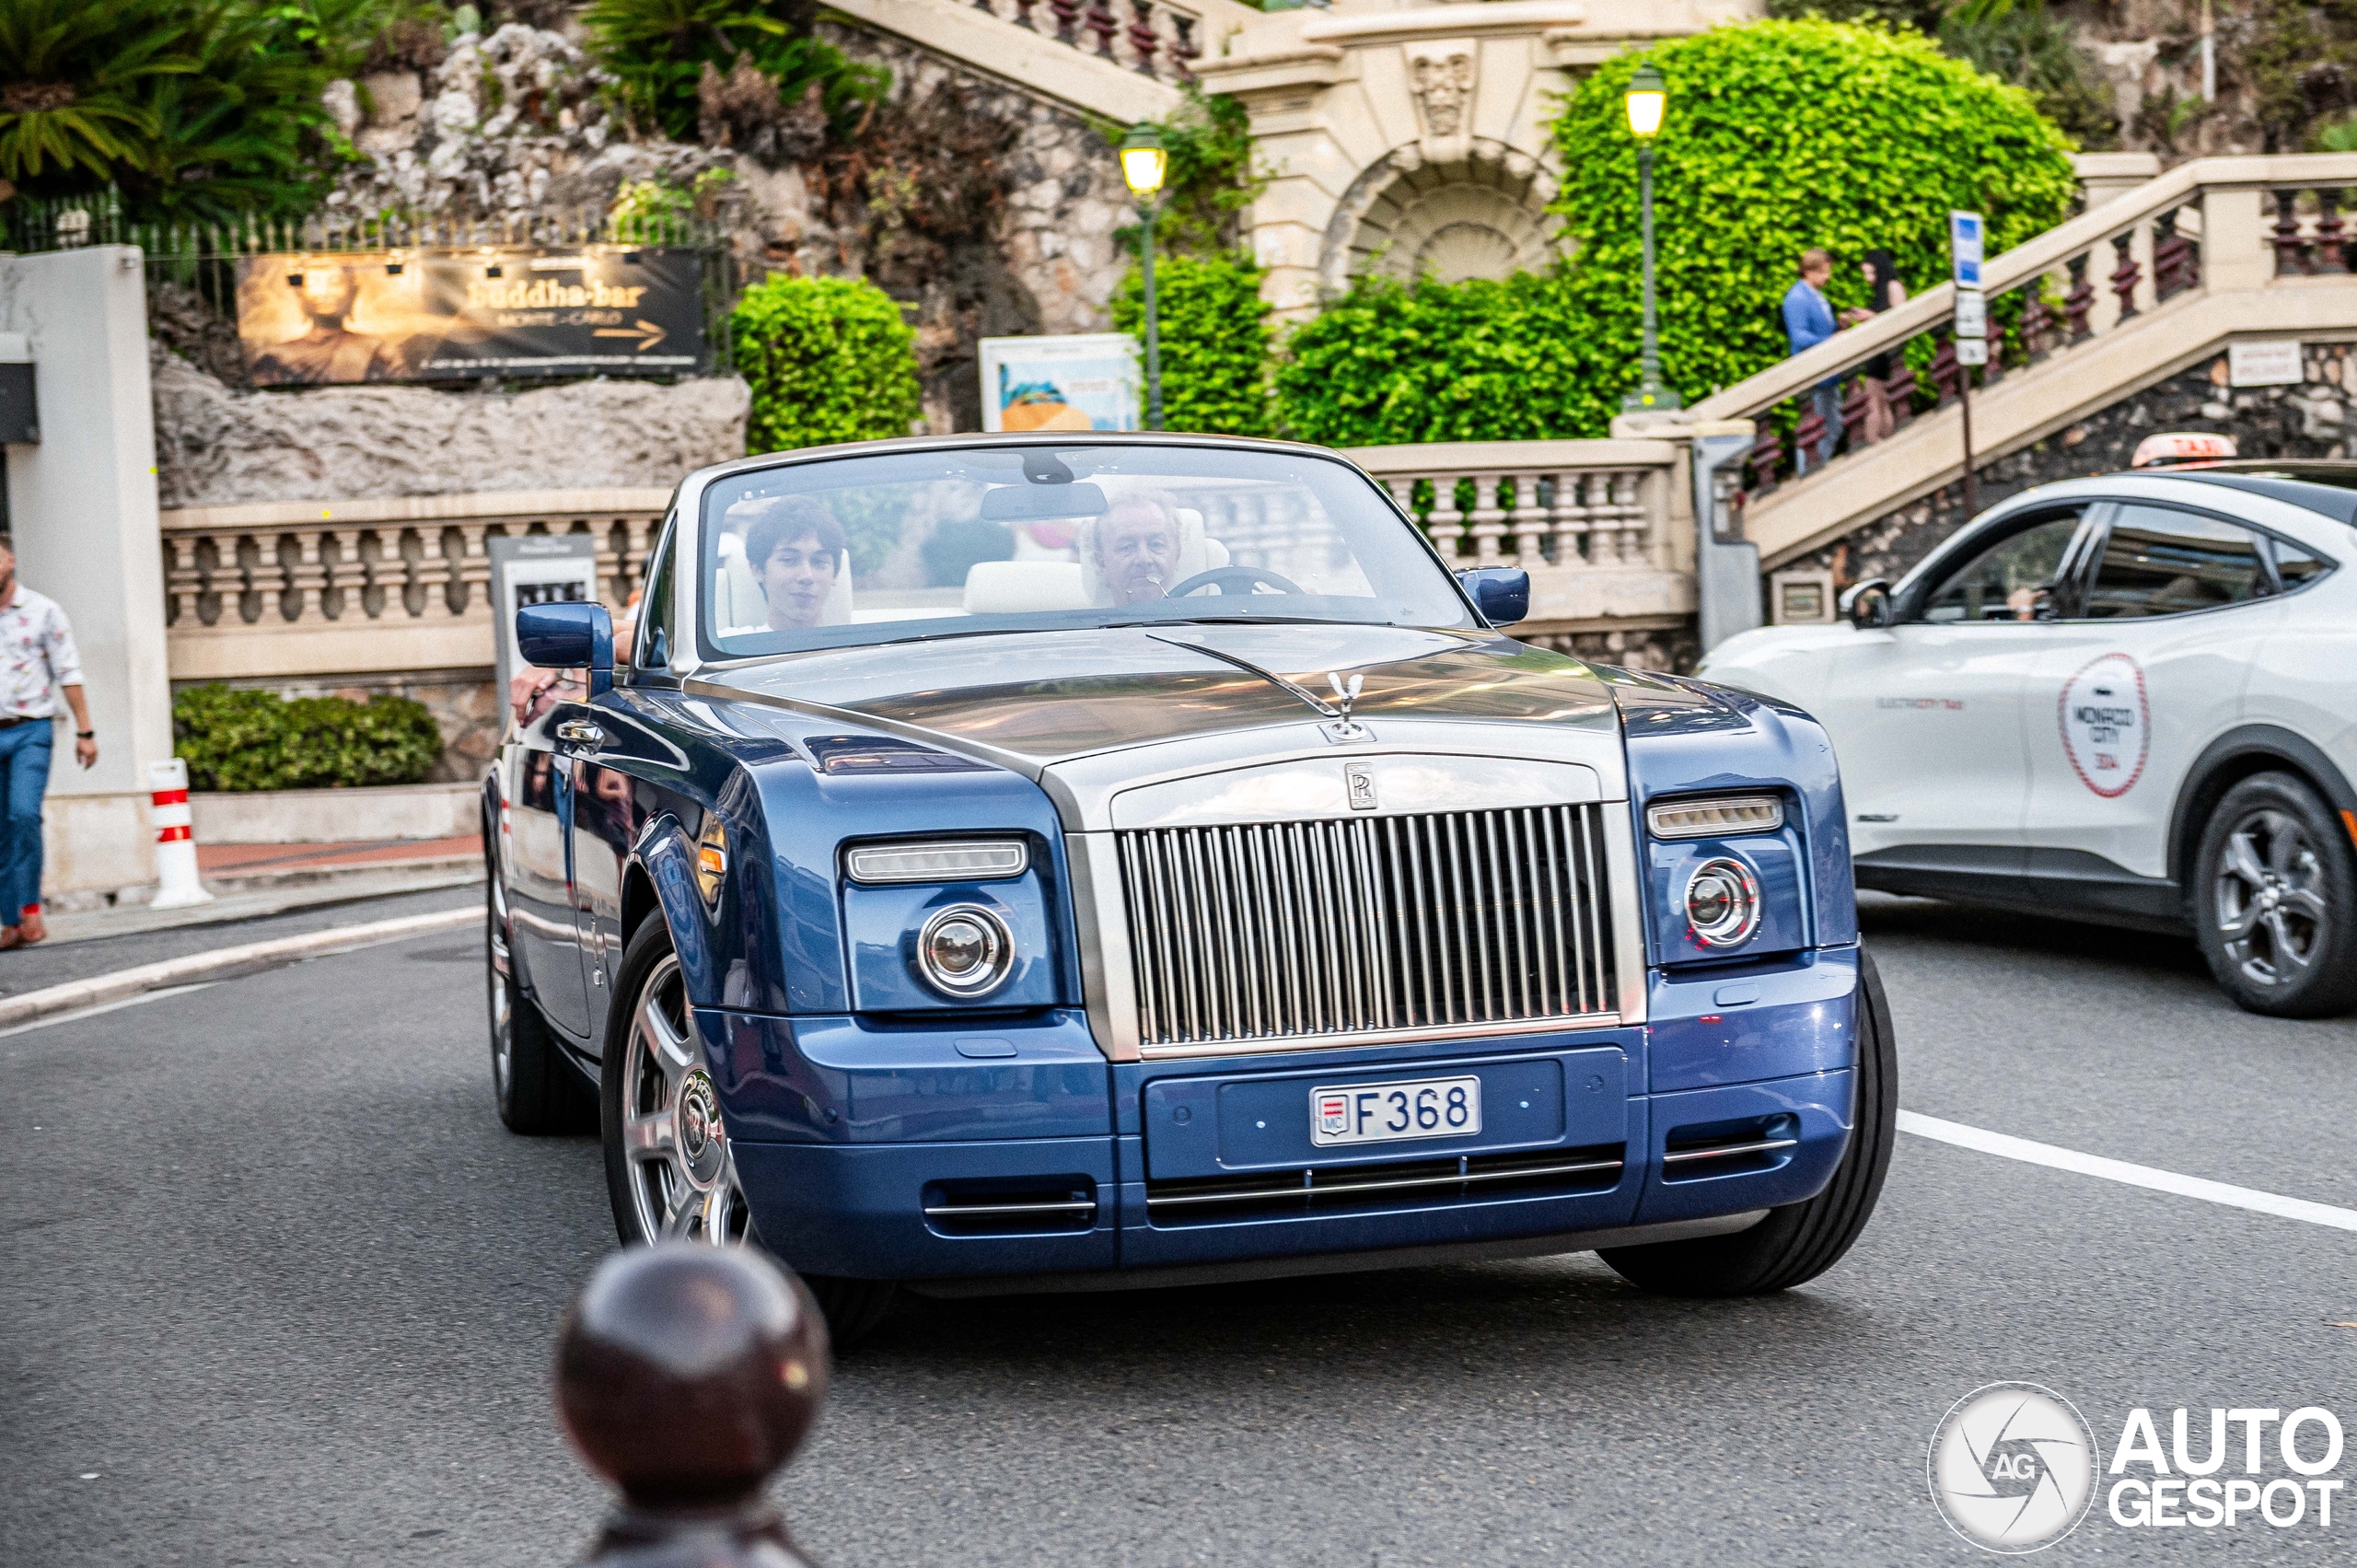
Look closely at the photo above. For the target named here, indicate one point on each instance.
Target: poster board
(536, 568)
(1088, 381)
(324, 318)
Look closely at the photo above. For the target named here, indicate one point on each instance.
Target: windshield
(1029, 538)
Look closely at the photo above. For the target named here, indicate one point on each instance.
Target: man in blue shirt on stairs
(1808, 321)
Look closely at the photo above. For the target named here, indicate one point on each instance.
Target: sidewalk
(245, 867)
(252, 881)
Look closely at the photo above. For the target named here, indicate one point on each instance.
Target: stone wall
(985, 211)
(216, 445)
(2307, 421)
(1673, 649)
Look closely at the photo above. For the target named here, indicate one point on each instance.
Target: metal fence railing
(204, 257)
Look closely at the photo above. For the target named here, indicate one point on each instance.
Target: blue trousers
(24, 779)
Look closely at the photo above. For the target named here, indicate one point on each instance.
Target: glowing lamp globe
(1144, 161)
(1648, 96)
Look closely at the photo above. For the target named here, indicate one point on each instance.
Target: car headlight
(939, 860)
(1715, 817)
(965, 951)
(1722, 903)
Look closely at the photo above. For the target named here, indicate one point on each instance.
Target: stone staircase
(1119, 60)
(2149, 285)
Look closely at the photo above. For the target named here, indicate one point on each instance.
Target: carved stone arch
(1456, 208)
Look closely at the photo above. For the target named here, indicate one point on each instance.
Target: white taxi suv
(2130, 699)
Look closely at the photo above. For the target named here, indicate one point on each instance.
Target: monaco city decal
(2106, 724)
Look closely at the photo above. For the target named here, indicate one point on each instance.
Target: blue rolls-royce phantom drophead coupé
(1069, 861)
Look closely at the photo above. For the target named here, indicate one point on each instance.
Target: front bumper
(1016, 1151)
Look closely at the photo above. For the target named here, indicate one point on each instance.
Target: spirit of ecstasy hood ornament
(1346, 693)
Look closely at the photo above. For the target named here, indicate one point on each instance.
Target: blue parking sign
(1963, 248)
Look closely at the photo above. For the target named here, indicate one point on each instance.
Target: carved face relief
(1441, 74)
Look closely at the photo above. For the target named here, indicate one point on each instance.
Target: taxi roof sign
(2177, 446)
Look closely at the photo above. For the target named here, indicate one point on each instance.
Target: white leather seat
(1024, 588)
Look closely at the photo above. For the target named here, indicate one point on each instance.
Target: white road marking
(2006, 1146)
(116, 1006)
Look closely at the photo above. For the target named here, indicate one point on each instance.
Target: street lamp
(1647, 98)
(1143, 163)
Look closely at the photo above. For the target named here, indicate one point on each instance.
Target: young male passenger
(796, 550)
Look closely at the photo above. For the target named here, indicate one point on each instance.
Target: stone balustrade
(1602, 527)
(1123, 59)
(303, 588)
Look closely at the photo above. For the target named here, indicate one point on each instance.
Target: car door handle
(580, 732)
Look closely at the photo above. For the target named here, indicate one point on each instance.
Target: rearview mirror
(569, 635)
(1033, 503)
(1867, 606)
(1501, 593)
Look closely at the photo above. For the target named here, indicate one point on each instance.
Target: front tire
(1798, 1242)
(668, 1169)
(2274, 900)
(536, 1090)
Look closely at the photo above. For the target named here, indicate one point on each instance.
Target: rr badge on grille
(1333, 1114)
(1361, 779)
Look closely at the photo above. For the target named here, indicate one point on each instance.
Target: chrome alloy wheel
(501, 1001)
(2268, 899)
(683, 1182)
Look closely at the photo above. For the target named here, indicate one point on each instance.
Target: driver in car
(1137, 546)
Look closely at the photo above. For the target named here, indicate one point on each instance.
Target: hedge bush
(1480, 361)
(1782, 135)
(828, 359)
(1214, 336)
(246, 741)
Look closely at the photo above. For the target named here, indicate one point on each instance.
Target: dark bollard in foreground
(688, 1376)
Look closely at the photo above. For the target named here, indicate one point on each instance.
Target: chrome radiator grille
(1282, 931)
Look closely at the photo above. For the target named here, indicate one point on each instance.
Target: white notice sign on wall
(2263, 365)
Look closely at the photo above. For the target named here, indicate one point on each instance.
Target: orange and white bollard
(177, 884)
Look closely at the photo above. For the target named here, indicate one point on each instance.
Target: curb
(75, 995)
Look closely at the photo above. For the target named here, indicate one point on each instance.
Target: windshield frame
(691, 654)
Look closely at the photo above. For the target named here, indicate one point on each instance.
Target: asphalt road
(275, 1287)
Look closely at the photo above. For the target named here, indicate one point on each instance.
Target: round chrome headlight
(965, 951)
(1722, 903)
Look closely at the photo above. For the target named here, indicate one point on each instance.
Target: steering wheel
(1237, 579)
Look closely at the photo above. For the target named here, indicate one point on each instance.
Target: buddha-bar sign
(456, 314)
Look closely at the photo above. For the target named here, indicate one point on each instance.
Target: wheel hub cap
(703, 1146)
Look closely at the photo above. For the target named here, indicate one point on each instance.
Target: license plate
(1382, 1113)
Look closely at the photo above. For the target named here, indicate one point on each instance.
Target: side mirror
(1867, 606)
(1501, 593)
(569, 635)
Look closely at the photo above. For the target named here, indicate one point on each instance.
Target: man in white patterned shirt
(37, 658)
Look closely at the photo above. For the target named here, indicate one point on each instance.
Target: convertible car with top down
(1081, 860)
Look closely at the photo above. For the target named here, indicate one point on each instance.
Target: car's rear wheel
(669, 1170)
(2274, 900)
(1798, 1242)
(536, 1089)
